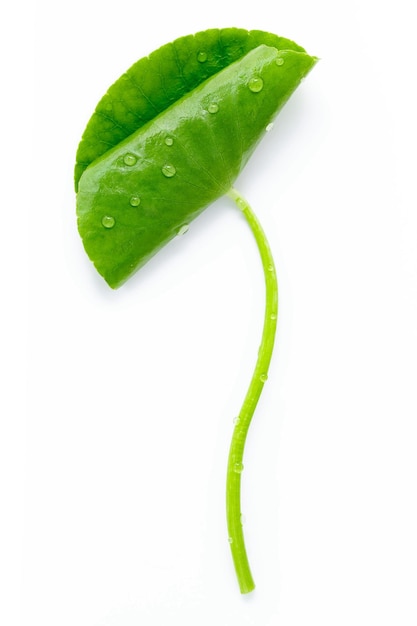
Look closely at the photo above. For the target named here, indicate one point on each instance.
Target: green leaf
(153, 83)
(171, 136)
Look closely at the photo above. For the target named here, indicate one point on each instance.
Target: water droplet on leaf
(256, 84)
(238, 468)
(183, 229)
(263, 378)
(236, 421)
(230, 539)
(269, 127)
(242, 519)
(202, 57)
(279, 61)
(108, 221)
(169, 170)
(129, 159)
(135, 201)
(213, 107)
(169, 141)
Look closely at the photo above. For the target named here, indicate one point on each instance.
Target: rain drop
(269, 127)
(135, 201)
(230, 540)
(242, 519)
(129, 159)
(108, 221)
(183, 229)
(169, 170)
(279, 61)
(169, 141)
(202, 57)
(236, 421)
(263, 378)
(273, 316)
(238, 468)
(256, 84)
(213, 107)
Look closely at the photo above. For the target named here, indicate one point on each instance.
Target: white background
(118, 405)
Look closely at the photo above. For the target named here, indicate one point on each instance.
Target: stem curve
(242, 423)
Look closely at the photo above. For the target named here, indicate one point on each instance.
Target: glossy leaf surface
(152, 182)
(155, 82)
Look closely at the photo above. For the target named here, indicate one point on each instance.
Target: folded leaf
(202, 126)
(153, 83)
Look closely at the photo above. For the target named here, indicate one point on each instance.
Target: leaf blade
(169, 73)
(199, 136)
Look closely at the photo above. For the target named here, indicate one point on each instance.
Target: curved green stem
(242, 422)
